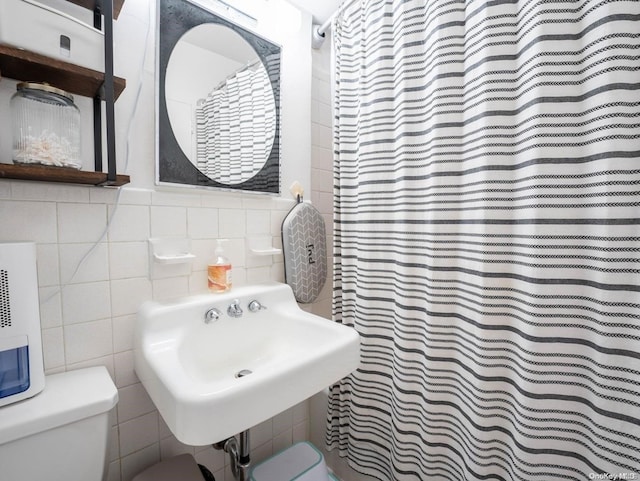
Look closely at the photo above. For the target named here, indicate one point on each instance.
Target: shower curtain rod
(319, 32)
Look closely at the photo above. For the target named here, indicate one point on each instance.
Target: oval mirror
(218, 112)
(220, 103)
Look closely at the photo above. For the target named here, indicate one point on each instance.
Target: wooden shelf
(28, 66)
(91, 4)
(44, 173)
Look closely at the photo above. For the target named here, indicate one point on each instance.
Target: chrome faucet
(212, 315)
(234, 309)
(255, 306)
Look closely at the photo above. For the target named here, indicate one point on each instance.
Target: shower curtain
(487, 238)
(235, 127)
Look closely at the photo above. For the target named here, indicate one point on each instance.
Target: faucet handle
(234, 309)
(212, 315)
(255, 306)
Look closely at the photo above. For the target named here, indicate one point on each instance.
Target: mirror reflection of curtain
(235, 127)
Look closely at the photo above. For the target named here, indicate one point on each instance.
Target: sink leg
(240, 458)
(245, 459)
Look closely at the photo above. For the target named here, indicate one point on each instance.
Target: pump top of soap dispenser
(219, 255)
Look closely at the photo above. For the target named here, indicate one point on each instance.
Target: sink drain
(243, 373)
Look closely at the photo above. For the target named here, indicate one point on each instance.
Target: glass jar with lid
(46, 126)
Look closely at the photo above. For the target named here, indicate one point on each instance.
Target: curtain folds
(235, 127)
(487, 238)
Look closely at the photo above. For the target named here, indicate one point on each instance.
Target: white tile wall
(89, 295)
(322, 162)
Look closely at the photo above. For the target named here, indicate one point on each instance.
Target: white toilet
(61, 434)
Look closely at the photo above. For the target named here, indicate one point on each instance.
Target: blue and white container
(21, 363)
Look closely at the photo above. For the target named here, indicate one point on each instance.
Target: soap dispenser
(219, 270)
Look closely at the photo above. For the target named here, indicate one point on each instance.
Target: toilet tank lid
(67, 397)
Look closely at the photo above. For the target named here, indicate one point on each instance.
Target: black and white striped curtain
(487, 238)
(235, 127)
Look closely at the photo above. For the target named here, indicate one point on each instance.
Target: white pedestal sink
(190, 367)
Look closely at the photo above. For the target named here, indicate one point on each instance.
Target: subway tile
(322, 180)
(41, 228)
(114, 444)
(239, 276)
(277, 217)
(260, 453)
(87, 340)
(282, 440)
(282, 421)
(53, 348)
(219, 474)
(213, 459)
(175, 199)
(232, 223)
(85, 302)
(258, 202)
(204, 250)
(170, 447)
(81, 222)
(236, 251)
(138, 461)
(325, 203)
(106, 361)
(134, 402)
(171, 288)
(221, 200)
(135, 196)
(258, 275)
(168, 222)
(165, 432)
(129, 223)
(104, 196)
(123, 328)
(325, 114)
(324, 91)
(300, 432)
(47, 263)
(83, 263)
(138, 433)
(128, 259)
(124, 369)
(113, 471)
(128, 294)
(300, 412)
(202, 223)
(277, 272)
(42, 191)
(322, 157)
(198, 282)
(258, 222)
(321, 135)
(5, 190)
(50, 307)
(262, 433)
(283, 204)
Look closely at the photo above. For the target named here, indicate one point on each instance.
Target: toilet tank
(61, 434)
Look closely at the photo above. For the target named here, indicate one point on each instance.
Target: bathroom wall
(322, 161)
(93, 257)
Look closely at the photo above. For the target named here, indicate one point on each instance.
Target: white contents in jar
(47, 149)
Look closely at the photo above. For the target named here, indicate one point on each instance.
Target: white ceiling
(320, 9)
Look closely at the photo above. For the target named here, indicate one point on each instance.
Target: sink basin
(213, 380)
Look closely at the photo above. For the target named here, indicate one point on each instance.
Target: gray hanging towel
(304, 246)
